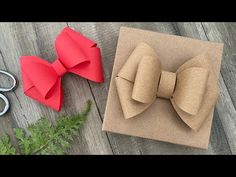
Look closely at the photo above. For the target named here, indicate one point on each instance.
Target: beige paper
(189, 88)
(166, 85)
(159, 121)
(146, 80)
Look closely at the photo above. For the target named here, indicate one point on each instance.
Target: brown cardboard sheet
(159, 121)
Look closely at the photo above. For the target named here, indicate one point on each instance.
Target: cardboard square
(159, 121)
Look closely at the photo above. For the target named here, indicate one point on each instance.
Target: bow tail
(129, 106)
(207, 106)
(55, 99)
(41, 82)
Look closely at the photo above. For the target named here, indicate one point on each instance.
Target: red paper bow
(76, 54)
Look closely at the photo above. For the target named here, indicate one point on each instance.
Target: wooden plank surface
(219, 32)
(38, 39)
(18, 39)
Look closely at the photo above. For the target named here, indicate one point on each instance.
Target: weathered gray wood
(6, 123)
(18, 39)
(225, 32)
(106, 35)
(38, 39)
(224, 106)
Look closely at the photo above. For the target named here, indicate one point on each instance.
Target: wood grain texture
(6, 123)
(224, 107)
(38, 39)
(106, 34)
(18, 39)
(225, 32)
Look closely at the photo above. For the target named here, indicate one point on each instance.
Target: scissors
(7, 104)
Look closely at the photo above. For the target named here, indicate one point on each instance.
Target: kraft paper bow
(76, 54)
(192, 90)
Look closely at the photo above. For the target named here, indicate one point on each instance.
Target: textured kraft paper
(192, 90)
(160, 121)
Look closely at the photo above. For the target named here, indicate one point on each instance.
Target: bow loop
(44, 81)
(146, 80)
(167, 84)
(69, 49)
(128, 71)
(190, 89)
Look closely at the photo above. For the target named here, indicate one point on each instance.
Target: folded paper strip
(192, 89)
(76, 54)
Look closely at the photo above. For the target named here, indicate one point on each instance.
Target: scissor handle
(14, 82)
(6, 104)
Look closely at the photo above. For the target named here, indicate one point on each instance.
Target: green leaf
(6, 147)
(44, 138)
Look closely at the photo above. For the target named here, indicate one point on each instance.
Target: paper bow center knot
(59, 67)
(166, 84)
(150, 81)
(192, 89)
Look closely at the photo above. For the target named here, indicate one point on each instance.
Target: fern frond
(44, 138)
(6, 147)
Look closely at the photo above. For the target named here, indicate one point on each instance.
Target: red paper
(76, 54)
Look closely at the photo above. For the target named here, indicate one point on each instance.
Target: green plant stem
(59, 136)
(43, 146)
(49, 141)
